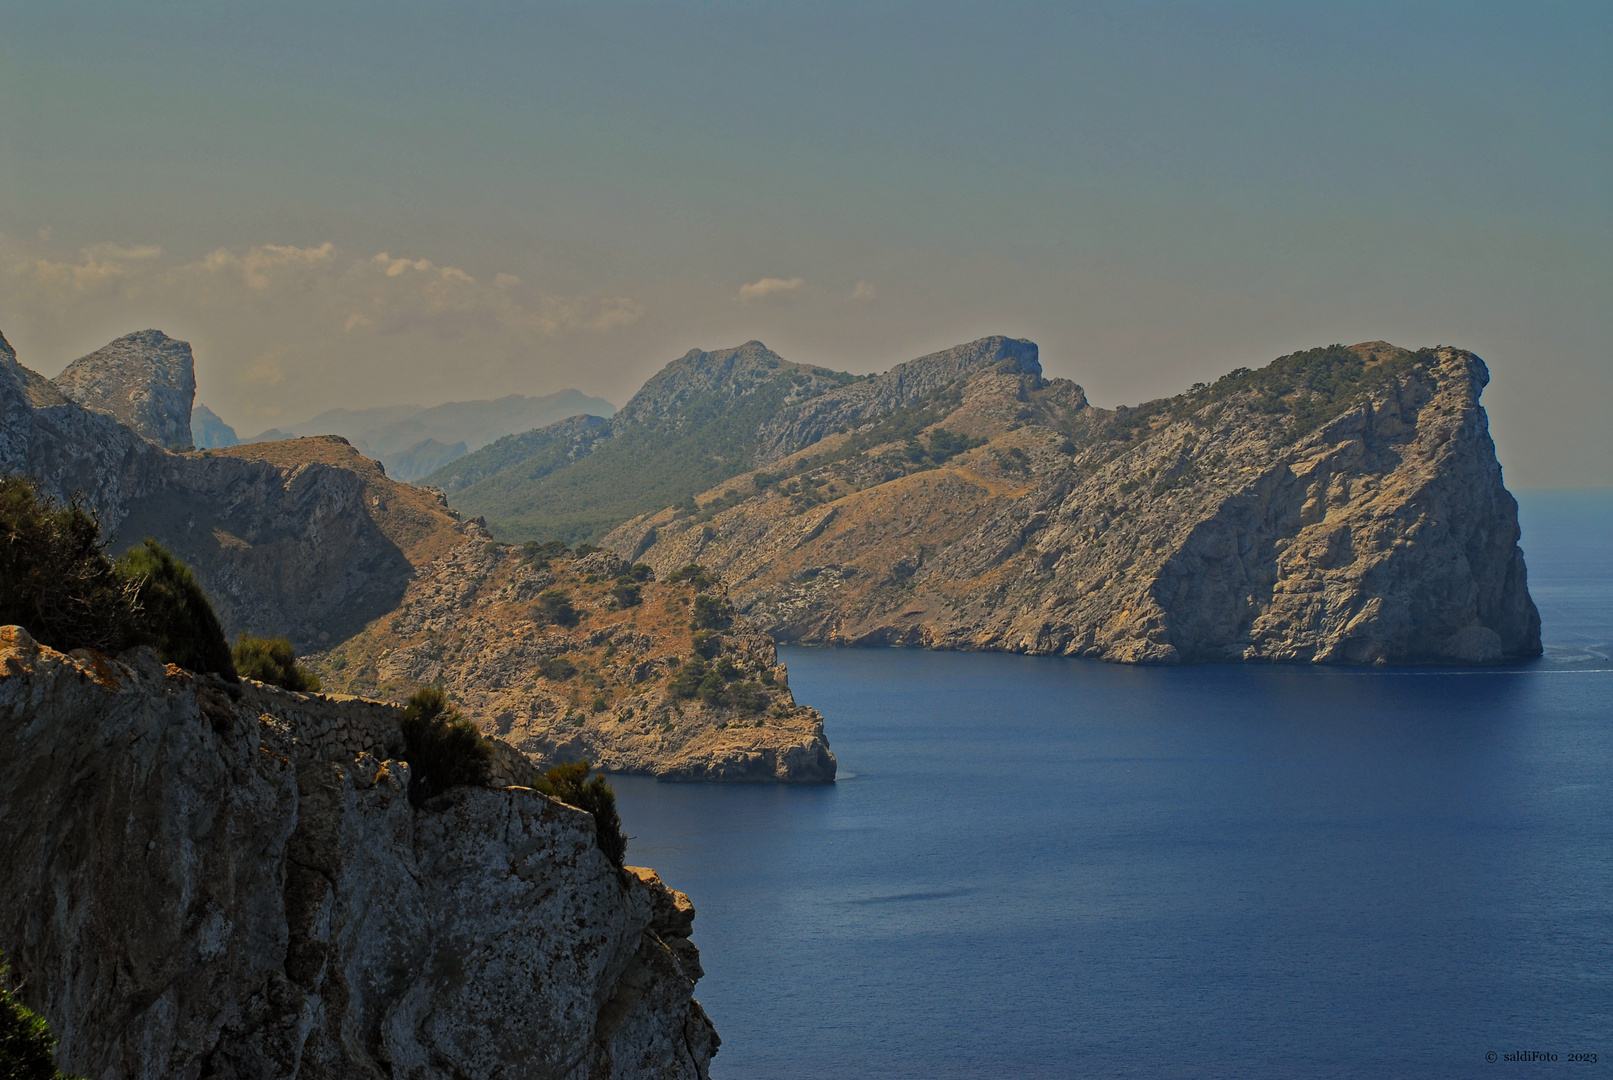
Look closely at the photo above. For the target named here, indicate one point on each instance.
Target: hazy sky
(353, 205)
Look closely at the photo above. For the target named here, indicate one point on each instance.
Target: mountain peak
(147, 380)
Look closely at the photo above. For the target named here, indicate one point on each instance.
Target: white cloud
(864, 290)
(259, 265)
(770, 287)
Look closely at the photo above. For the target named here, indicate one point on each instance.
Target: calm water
(1045, 867)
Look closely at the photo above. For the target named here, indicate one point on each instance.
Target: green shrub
(745, 696)
(945, 445)
(642, 572)
(557, 668)
(55, 579)
(686, 683)
(707, 643)
(443, 749)
(26, 1044)
(174, 614)
(709, 613)
(274, 661)
(695, 574)
(555, 606)
(626, 592)
(542, 554)
(571, 784)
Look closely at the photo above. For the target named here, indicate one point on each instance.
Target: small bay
(1037, 866)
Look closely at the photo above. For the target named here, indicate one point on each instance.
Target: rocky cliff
(147, 380)
(305, 538)
(565, 658)
(1338, 506)
(202, 879)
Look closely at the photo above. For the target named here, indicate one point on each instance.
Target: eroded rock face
(305, 538)
(211, 880)
(146, 379)
(599, 687)
(1214, 530)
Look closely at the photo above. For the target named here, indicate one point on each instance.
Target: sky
(356, 205)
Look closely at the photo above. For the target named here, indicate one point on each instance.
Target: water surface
(1050, 867)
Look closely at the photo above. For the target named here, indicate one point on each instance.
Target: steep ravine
(208, 880)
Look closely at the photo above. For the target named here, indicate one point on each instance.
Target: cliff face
(147, 380)
(480, 622)
(1342, 506)
(212, 880)
(305, 538)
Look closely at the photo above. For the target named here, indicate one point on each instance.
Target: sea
(1047, 867)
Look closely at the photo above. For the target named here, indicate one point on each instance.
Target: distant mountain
(146, 379)
(395, 435)
(699, 421)
(209, 431)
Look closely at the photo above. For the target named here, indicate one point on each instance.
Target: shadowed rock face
(147, 380)
(1254, 520)
(204, 880)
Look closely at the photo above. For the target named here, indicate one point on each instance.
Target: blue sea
(1041, 867)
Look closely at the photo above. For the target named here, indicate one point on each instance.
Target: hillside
(570, 657)
(1339, 505)
(696, 423)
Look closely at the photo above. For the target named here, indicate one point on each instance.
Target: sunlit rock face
(203, 879)
(1354, 513)
(146, 379)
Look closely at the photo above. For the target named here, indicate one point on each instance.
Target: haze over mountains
(411, 440)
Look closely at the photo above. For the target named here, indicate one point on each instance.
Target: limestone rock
(209, 880)
(1259, 519)
(147, 380)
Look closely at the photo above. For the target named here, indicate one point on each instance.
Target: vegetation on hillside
(274, 661)
(571, 784)
(26, 1044)
(443, 749)
(548, 484)
(1307, 388)
(57, 582)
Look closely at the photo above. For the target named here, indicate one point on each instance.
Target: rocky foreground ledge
(205, 879)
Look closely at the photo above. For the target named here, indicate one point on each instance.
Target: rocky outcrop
(305, 538)
(483, 623)
(202, 879)
(1339, 506)
(147, 380)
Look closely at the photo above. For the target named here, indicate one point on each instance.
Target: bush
(707, 643)
(272, 660)
(694, 574)
(555, 606)
(642, 572)
(744, 696)
(55, 579)
(626, 592)
(542, 554)
(686, 683)
(709, 613)
(26, 1044)
(443, 749)
(174, 613)
(557, 668)
(571, 784)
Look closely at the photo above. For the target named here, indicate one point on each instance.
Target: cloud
(99, 265)
(258, 266)
(769, 287)
(863, 290)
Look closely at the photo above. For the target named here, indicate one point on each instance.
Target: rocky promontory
(204, 879)
(569, 656)
(1342, 505)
